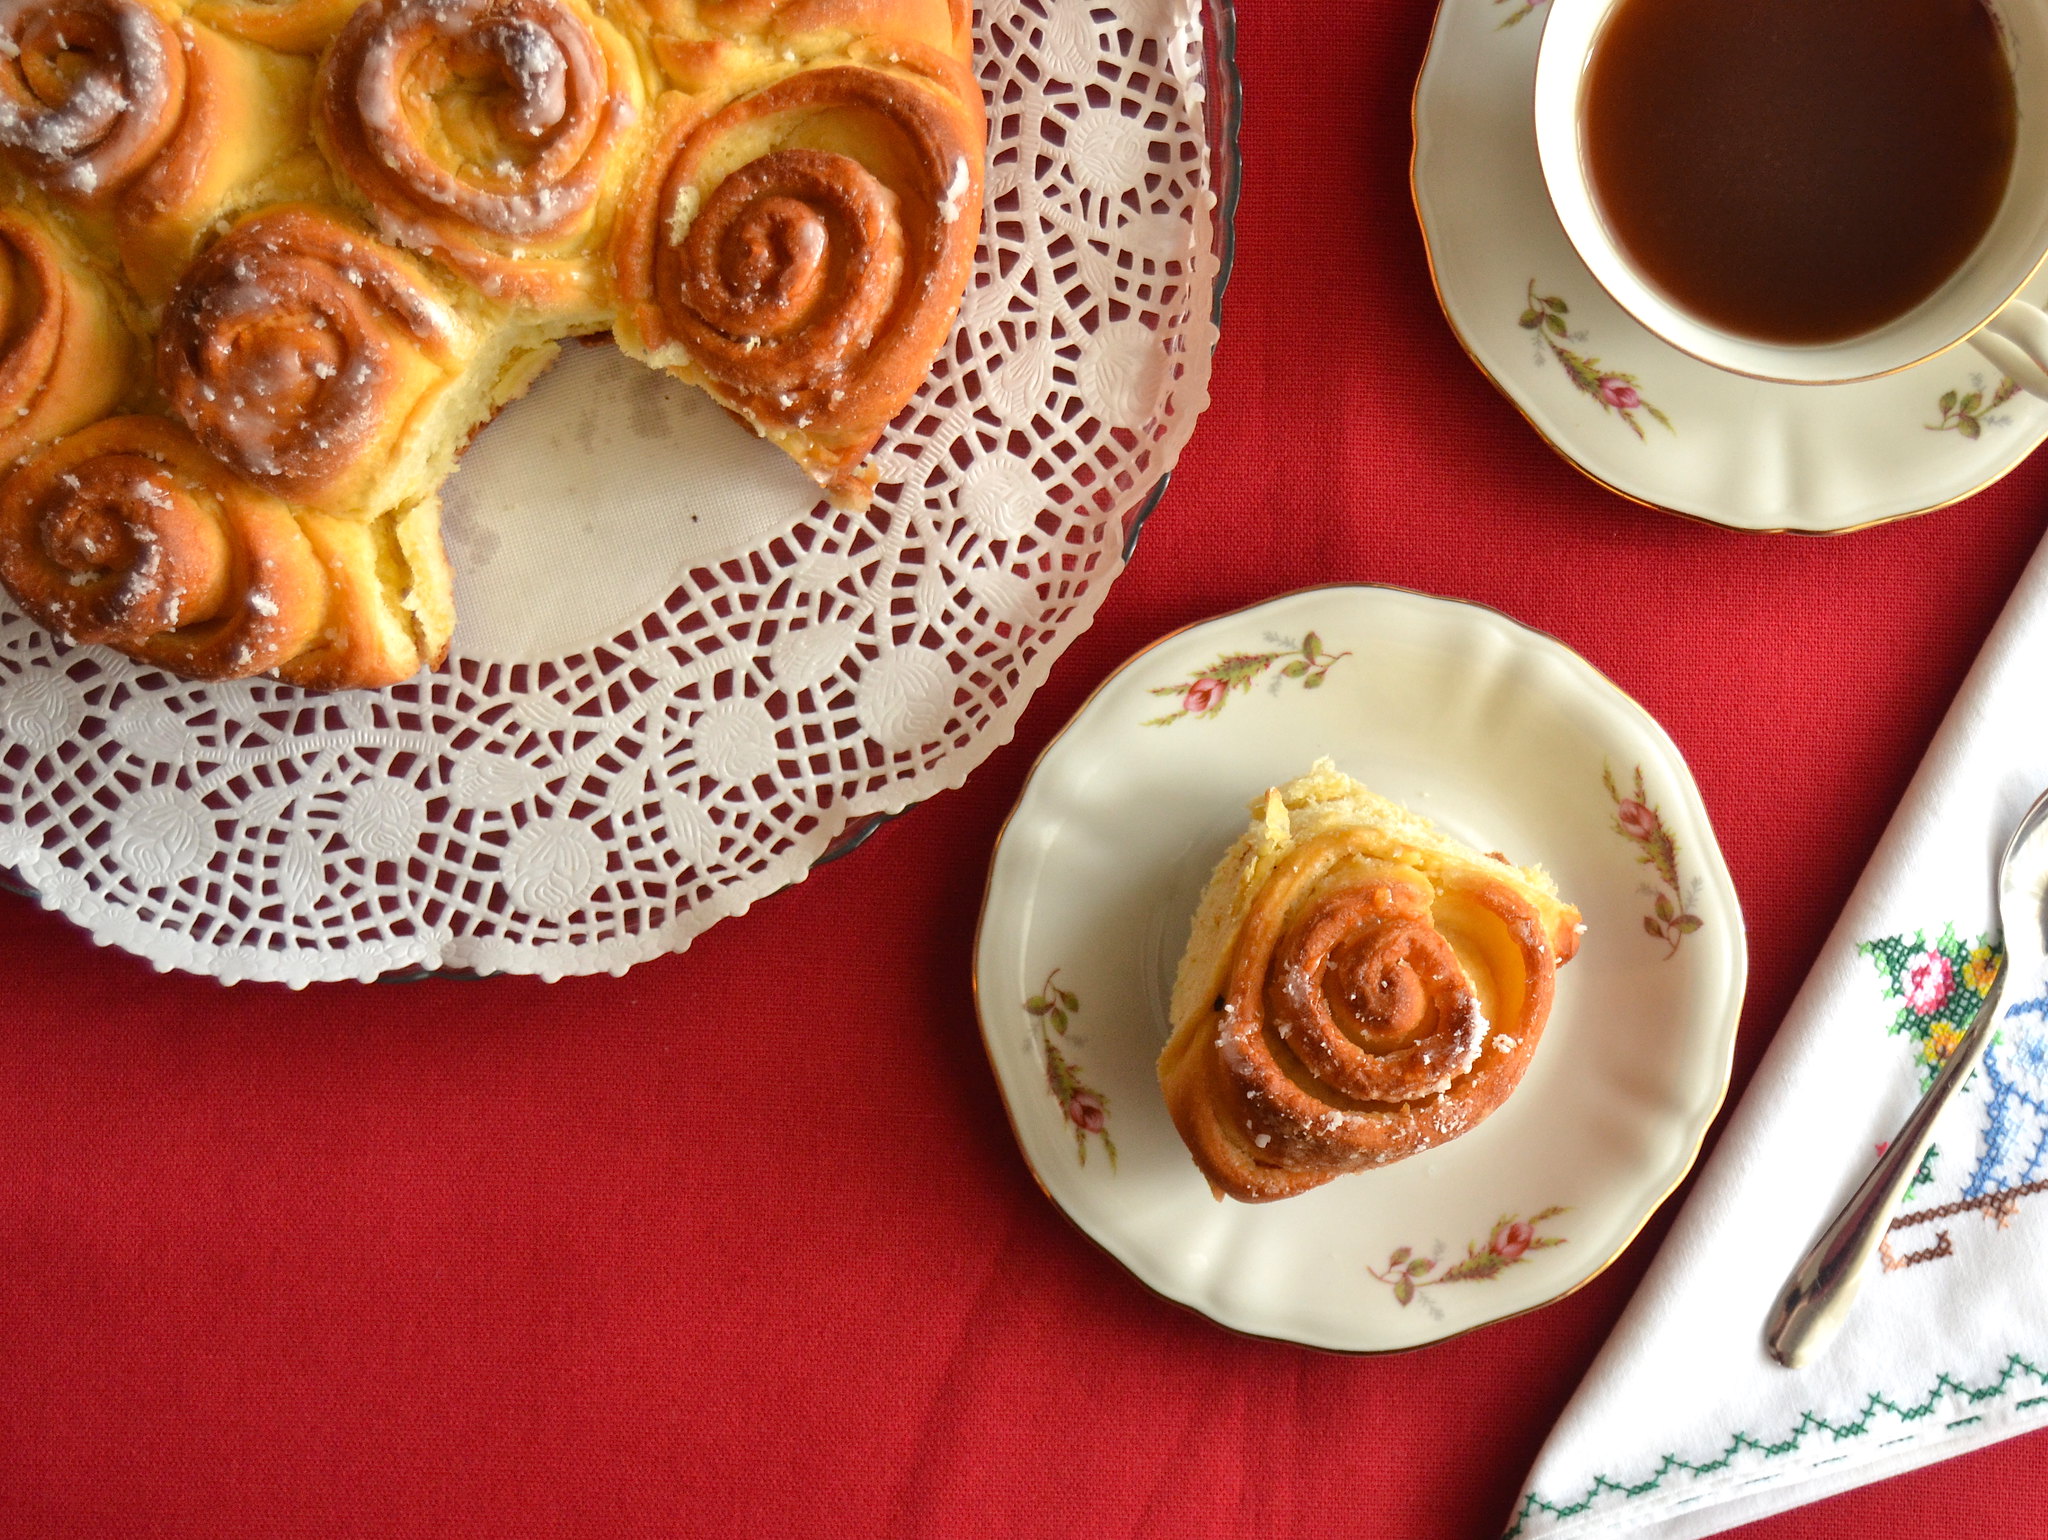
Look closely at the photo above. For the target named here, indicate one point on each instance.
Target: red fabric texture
(739, 1244)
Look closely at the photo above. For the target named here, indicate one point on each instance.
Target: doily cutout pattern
(586, 813)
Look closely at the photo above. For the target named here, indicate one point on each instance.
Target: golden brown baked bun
(66, 356)
(266, 266)
(90, 92)
(487, 132)
(130, 535)
(142, 121)
(1357, 988)
(800, 252)
(305, 353)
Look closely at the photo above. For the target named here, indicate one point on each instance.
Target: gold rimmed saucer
(1509, 741)
(1632, 412)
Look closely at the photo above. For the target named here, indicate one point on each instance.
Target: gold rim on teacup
(1979, 303)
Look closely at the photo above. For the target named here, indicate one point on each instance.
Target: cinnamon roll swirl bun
(64, 349)
(130, 535)
(487, 132)
(90, 91)
(801, 251)
(310, 357)
(1357, 988)
(123, 106)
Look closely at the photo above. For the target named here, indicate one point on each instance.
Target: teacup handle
(2015, 341)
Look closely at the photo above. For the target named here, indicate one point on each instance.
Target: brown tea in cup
(1798, 171)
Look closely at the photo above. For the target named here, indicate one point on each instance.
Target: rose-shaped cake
(301, 352)
(142, 121)
(484, 132)
(91, 91)
(319, 243)
(130, 535)
(808, 287)
(1357, 988)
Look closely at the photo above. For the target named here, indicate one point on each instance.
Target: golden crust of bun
(288, 26)
(1357, 988)
(301, 351)
(266, 266)
(67, 352)
(128, 534)
(809, 288)
(516, 191)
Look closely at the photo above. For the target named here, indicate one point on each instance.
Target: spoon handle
(1815, 1300)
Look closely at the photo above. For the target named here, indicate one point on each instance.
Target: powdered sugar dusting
(563, 111)
(954, 201)
(97, 133)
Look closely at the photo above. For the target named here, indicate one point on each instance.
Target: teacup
(1978, 303)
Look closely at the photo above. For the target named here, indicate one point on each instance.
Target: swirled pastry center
(1377, 988)
(294, 344)
(1371, 999)
(494, 110)
(90, 90)
(127, 533)
(140, 552)
(799, 244)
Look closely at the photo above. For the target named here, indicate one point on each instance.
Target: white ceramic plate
(1629, 410)
(1501, 735)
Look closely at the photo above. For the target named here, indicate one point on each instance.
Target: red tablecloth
(739, 1244)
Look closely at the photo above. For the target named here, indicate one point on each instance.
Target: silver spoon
(1816, 1298)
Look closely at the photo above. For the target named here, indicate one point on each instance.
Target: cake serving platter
(1508, 741)
(1629, 410)
(679, 679)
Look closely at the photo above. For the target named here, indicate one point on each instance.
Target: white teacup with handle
(1978, 304)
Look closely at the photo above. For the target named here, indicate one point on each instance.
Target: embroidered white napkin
(1684, 1426)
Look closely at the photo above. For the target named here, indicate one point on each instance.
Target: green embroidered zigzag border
(1808, 1422)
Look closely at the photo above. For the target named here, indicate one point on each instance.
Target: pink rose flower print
(1051, 1012)
(1208, 692)
(1508, 1245)
(1930, 979)
(1618, 393)
(1636, 821)
(1512, 1239)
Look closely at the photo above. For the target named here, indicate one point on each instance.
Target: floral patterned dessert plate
(1509, 741)
(1629, 410)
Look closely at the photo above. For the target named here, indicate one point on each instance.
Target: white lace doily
(678, 677)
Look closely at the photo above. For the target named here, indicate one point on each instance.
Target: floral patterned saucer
(1630, 411)
(1509, 741)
